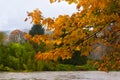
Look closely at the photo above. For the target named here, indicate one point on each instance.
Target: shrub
(76, 59)
(63, 67)
(17, 56)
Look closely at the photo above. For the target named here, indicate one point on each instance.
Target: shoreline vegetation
(21, 58)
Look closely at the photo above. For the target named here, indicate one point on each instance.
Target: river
(60, 75)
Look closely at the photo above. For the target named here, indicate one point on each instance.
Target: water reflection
(65, 75)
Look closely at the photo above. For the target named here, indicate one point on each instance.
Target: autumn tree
(17, 36)
(37, 28)
(73, 33)
(36, 31)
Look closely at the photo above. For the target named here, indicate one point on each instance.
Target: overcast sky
(13, 12)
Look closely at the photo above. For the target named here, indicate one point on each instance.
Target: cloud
(13, 12)
(3, 21)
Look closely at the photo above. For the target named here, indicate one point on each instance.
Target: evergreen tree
(36, 29)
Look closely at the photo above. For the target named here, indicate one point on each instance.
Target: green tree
(76, 59)
(2, 37)
(37, 30)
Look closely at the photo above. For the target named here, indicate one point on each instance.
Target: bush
(20, 57)
(75, 60)
(86, 67)
(17, 56)
(63, 67)
(41, 65)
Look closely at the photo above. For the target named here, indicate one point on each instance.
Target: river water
(60, 75)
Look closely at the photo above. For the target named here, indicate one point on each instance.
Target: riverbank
(60, 75)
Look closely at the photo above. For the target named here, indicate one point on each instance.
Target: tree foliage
(17, 36)
(3, 37)
(73, 32)
(36, 16)
(36, 30)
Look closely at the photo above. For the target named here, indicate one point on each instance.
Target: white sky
(13, 12)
